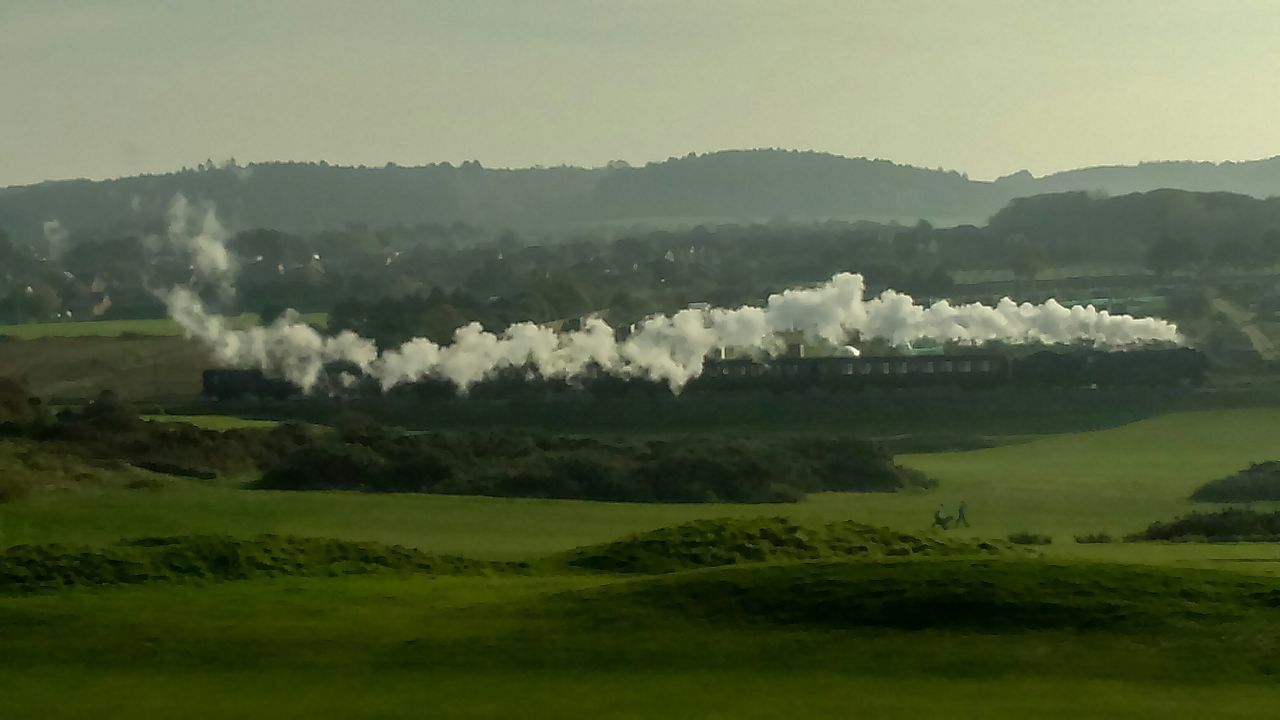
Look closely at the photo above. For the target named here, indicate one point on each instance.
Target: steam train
(1048, 368)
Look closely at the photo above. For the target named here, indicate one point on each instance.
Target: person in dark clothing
(960, 518)
(939, 520)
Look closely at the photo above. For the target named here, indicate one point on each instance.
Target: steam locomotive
(1047, 368)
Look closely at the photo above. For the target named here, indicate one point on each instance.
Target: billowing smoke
(664, 348)
(195, 232)
(288, 346)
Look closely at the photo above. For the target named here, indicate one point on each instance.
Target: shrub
(334, 466)
(1232, 524)
(1258, 482)
(16, 406)
(1027, 538)
(1094, 539)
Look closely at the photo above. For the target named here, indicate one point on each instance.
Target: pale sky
(987, 87)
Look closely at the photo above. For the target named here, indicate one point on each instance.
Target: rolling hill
(728, 185)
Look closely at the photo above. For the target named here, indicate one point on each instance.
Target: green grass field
(1195, 636)
(1115, 480)
(391, 647)
(214, 422)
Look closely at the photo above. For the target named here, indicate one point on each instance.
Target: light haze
(99, 90)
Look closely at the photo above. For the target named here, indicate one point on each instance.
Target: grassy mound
(1258, 482)
(939, 594)
(26, 568)
(732, 541)
(1230, 525)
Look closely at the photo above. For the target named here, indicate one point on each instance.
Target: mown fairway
(389, 647)
(1116, 481)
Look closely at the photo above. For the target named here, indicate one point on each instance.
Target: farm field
(213, 422)
(78, 368)
(158, 327)
(137, 359)
(1122, 630)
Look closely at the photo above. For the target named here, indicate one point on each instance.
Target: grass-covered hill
(732, 541)
(30, 568)
(895, 640)
(995, 596)
(711, 543)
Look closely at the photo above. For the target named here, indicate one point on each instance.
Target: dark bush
(1027, 538)
(1232, 524)
(16, 406)
(515, 464)
(1094, 539)
(360, 454)
(1258, 482)
(333, 466)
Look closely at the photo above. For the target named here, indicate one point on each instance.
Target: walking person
(960, 518)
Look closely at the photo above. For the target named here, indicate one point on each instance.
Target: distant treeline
(416, 277)
(740, 184)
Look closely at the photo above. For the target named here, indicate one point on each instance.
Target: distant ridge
(732, 185)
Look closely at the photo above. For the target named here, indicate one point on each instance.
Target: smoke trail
(287, 347)
(669, 349)
(196, 232)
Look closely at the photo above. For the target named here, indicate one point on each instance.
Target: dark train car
(228, 384)
(1120, 368)
(1049, 368)
(1164, 367)
(856, 372)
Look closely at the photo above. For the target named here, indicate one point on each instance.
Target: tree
(40, 303)
(1170, 253)
(1269, 247)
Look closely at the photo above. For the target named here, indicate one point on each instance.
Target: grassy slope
(28, 470)
(557, 646)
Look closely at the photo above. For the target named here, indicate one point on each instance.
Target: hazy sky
(101, 89)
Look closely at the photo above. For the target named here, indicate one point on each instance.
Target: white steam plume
(288, 346)
(669, 349)
(196, 232)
